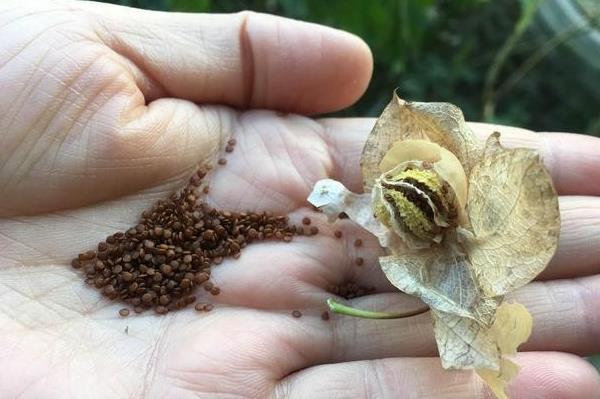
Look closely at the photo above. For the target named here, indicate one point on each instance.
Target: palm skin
(92, 135)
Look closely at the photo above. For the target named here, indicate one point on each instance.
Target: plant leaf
(442, 123)
(514, 217)
(443, 279)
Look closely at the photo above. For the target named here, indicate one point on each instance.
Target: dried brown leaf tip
(462, 225)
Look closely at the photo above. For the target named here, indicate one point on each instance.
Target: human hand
(92, 92)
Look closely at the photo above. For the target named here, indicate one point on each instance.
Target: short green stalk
(337, 307)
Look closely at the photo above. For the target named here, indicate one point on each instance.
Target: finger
(243, 60)
(542, 375)
(579, 241)
(309, 269)
(565, 319)
(573, 160)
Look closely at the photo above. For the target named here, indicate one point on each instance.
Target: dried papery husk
(514, 218)
(507, 231)
(332, 198)
(441, 123)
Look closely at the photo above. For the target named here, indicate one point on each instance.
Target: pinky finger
(547, 375)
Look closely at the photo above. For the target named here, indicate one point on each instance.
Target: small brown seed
(359, 261)
(325, 315)
(199, 307)
(231, 142)
(357, 242)
(306, 221)
(215, 291)
(297, 314)
(124, 312)
(337, 234)
(208, 307)
(314, 230)
(222, 161)
(160, 309)
(229, 148)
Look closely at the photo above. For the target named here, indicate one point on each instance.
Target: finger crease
(247, 60)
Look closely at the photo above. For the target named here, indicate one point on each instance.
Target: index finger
(573, 160)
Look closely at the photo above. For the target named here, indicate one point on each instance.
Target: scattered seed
(124, 312)
(357, 242)
(359, 261)
(229, 148)
(222, 161)
(337, 234)
(325, 315)
(297, 314)
(314, 230)
(306, 221)
(208, 307)
(231, 142)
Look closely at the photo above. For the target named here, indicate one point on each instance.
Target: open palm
(99, 119)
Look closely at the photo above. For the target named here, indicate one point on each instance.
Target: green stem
(337, 307)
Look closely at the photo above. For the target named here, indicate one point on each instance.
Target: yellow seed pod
(445, 163)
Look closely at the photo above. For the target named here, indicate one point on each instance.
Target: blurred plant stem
(528, 10)
(535, 58)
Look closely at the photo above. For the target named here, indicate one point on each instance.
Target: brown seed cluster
(350, 290)
(160, 262)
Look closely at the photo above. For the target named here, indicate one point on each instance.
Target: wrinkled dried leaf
(443, 280)
(514, 217)
(442, 123)
(512, 327)
(465, 344)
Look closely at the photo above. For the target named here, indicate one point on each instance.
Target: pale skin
(104, 110)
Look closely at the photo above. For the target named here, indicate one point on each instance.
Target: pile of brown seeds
(350, 290)
(161, 261)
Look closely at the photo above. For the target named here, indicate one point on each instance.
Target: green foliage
(491, 58)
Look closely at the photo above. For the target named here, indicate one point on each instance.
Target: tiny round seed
(359, 261)
(325, 315)
(306, 221)
(337, 234)
(357, 242)
(296, 313)
(222, 161)
(124, 312)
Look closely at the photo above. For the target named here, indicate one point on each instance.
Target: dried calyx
(462, 225)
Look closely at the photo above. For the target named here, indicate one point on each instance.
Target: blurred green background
(530, 63)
